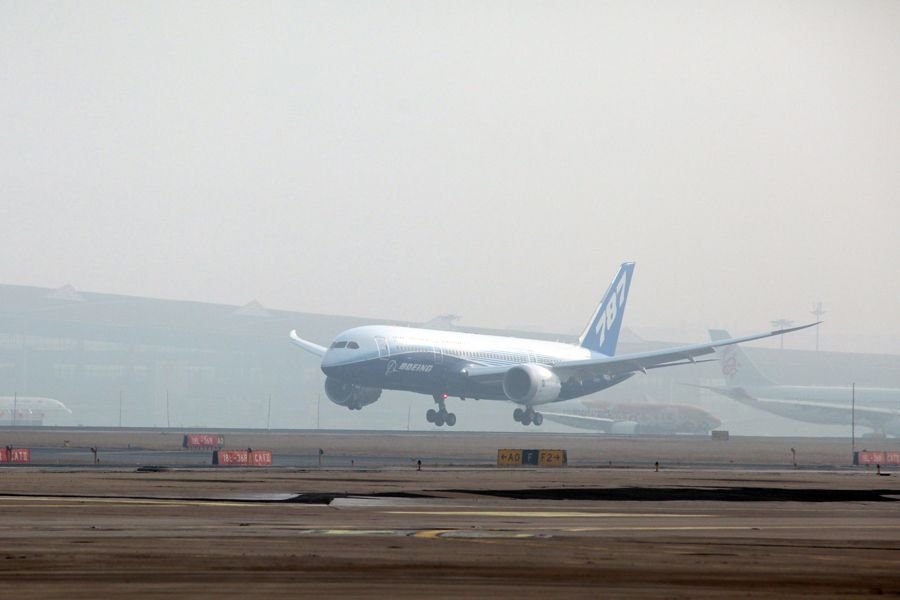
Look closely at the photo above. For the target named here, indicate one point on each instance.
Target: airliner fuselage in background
(363, 361)
(878, 408)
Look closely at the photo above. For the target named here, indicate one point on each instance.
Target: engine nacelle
(531, 384)
(350, 395)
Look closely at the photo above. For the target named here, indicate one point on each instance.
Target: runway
(343, 449)
(466, 530)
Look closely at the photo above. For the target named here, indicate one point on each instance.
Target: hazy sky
(492, 159)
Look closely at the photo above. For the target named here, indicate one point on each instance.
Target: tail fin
(602, 332)
(737, 368)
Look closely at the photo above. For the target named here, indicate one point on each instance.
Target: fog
(401, 160)
(495, 160)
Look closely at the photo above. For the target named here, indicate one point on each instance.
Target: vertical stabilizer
(602, 332)
(737, 368)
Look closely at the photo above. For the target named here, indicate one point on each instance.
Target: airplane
(878, 408)
(655, 418)
(363, 361)
(28, 410)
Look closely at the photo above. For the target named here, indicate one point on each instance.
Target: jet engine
(531, 384)
(350, 395)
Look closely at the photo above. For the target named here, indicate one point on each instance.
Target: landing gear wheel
(441, 416)
(518, 414)
(526, 419)
(538, 418)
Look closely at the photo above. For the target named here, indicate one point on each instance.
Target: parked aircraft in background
(363, 361)
(636, 417)
(878, 408)
(28, 410)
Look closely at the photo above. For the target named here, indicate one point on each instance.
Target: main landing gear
(440, 417)
(528, 416)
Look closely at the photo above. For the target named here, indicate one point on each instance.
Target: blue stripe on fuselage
(417, 372)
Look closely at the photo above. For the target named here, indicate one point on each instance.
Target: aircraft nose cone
(330, 364)
(328, 359)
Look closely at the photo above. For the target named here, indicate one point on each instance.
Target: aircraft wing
(307, 345)
(580, 421)
(614, 366)
(863, 411)
(839, 412)
(667, 357)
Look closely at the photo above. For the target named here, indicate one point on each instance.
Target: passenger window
(353, 345)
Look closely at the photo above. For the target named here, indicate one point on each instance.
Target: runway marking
(428, 534)
(70, 501)
(431, 533)
(724, 527)
(542, 514)
(356, 532)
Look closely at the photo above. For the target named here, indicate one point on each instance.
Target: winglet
(308, 346)
(759, 336)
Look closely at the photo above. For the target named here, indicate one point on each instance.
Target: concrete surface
(470, 531)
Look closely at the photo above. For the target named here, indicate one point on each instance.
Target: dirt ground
(89, 532)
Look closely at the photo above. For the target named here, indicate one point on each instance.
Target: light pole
(853, 418)
(818, 312)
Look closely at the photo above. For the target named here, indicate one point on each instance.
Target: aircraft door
(384, 350)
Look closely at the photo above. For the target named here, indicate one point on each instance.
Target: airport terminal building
(148, 362)
(142, 362)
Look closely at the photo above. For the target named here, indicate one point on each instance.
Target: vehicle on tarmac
(363, 361)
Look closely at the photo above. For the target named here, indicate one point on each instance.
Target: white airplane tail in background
(737, 368)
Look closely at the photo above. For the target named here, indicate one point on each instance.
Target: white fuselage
(433, 361)
(876, 407)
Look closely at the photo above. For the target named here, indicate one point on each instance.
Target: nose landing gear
(528, 416)
(440, 417)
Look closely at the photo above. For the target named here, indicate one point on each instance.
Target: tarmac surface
(744, 524)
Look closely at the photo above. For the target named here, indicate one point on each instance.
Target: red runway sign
(203, 441)
(242, 458)
(18, 456)
(868, 457)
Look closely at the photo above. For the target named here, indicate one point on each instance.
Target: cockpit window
(339, 344)
(353, 345)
